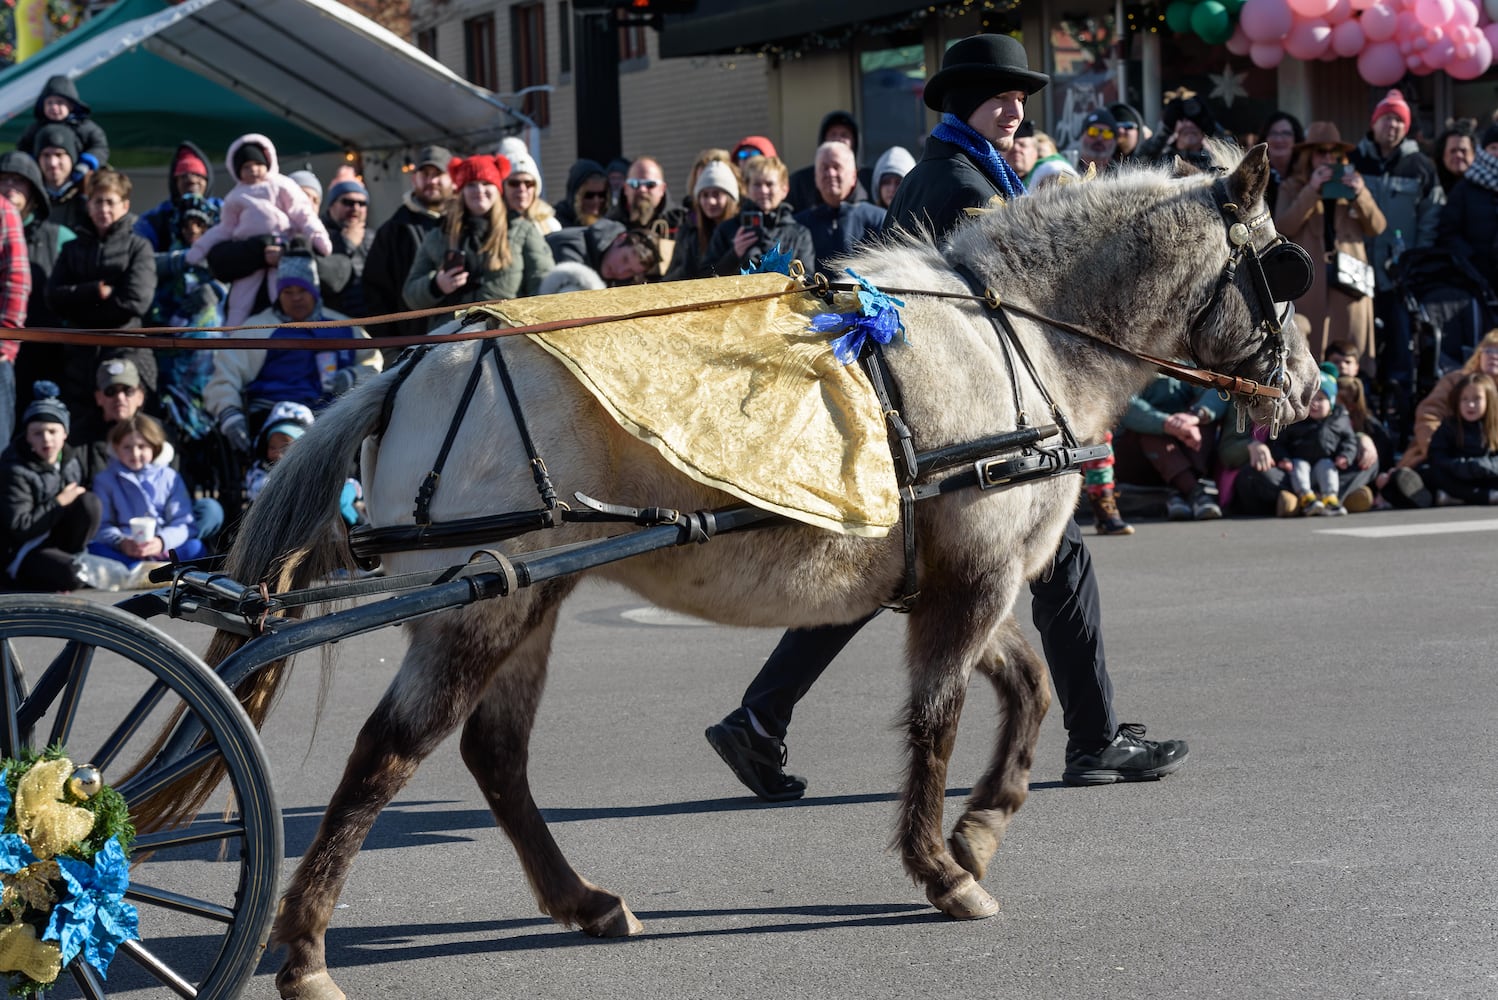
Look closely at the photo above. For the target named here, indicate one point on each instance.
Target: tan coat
(1433, 409)
(1330, 314)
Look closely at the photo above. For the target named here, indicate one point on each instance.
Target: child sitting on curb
(1315, 451)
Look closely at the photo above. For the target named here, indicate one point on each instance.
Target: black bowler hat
(996, 61)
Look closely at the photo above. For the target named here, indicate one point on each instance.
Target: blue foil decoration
(774, 260)
(94, 917)
(15, 853)
(878, 318)
(5, 797)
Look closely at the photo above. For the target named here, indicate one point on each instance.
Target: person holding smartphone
(480, 252)
(765, 221)
(1325, 206)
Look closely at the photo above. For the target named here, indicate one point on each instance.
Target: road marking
(1406, 530)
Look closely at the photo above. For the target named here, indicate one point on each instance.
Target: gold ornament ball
(86, 782)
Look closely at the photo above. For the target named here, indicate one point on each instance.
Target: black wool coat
(28, 493)
(935, 192)
(1468, 225)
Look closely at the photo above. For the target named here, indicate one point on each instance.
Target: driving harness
(1282, 271)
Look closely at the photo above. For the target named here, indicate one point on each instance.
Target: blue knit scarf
(997, 169)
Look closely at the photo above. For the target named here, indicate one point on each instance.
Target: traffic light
(642, 7)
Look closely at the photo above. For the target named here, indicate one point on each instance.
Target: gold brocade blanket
(741, 397)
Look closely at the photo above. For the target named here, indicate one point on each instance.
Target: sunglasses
(350, 203)
(1099, 132)
(640, 182)
(747, 153)
(592, 195)
(118, 390)
(520, 182)
(1130, 126)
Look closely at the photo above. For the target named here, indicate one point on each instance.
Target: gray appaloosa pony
(1133, 257)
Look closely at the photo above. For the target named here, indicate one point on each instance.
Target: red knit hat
(751, 143)
(488, 169)
(1393, 104)
(189, 163)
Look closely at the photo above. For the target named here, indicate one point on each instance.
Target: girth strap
(902, 448)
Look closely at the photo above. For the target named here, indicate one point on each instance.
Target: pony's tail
(291, 537)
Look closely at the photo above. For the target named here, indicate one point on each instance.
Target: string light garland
(988, 12)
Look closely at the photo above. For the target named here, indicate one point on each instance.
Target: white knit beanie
(716, 174)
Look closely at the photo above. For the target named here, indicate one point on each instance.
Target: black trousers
(1067, 612)
(49, 567)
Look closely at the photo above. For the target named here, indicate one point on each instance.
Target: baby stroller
(1451, 307)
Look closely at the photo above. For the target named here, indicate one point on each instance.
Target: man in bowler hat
(981, 91)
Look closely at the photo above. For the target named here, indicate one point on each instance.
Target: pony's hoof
(617, 922)
(318, 986)
(965, 901)
(973, 846)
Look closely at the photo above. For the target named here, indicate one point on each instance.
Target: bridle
(1280, 272)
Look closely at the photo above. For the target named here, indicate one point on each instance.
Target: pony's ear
(1246, 184)
(1180, 168)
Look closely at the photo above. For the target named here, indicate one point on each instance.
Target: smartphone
(755, 220)
(452, 260)
(1336, 189)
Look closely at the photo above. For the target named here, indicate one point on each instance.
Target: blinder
(1288, 270)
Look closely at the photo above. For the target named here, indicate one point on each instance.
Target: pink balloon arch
(1388, 38)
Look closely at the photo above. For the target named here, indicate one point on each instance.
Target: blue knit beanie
(1329, 381)
(297, 269)
(45, 406)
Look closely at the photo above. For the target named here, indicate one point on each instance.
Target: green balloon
(1210, 20)
(1178, 16)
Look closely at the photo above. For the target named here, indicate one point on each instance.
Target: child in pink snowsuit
(265, 202)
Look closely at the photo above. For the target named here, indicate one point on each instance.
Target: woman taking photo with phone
(479, 253)
(1326, 208)
(764, 223)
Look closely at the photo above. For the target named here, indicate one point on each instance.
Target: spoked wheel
(101, 683)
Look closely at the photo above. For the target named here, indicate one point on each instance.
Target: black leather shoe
(1130, 757)
(758, 761)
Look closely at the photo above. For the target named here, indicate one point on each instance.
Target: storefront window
(891, 82)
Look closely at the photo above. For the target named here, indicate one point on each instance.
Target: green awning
(312, 74)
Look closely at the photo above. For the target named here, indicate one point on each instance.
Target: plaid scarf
(1484, 170)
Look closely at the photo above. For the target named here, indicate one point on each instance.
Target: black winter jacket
(1469, 225)
(127, 263)
(1458, 450)
(781, 229)
(1312, 440)
(839, 231)
(937, 189)
(340, 275)
(388, 264)
(119, 258)
(91, 139)
(585, 244)
(28, 492)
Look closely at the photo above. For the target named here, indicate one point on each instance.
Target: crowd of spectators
(92, 424)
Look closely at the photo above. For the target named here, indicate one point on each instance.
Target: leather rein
(1240, 230)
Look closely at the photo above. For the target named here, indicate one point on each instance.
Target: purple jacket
(155, 491)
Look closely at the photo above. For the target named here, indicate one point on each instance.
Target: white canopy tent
(318, 65)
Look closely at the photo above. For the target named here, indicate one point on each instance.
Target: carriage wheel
(100, 683)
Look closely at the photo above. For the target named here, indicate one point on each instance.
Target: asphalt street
(1331, 835)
